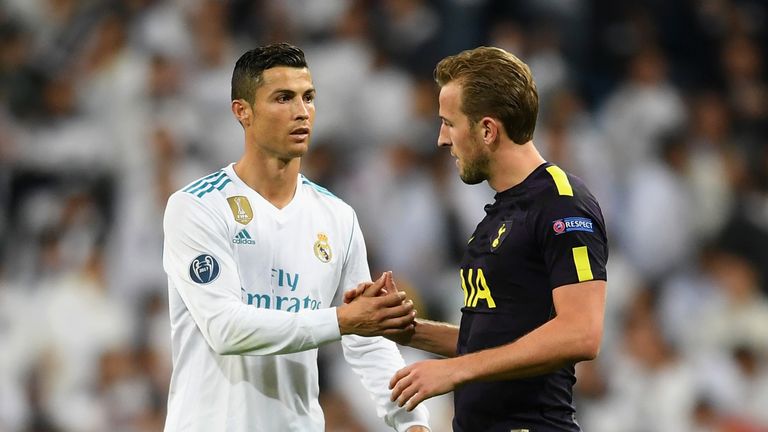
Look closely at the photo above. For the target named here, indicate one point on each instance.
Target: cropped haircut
(249, 69)
(494, 83)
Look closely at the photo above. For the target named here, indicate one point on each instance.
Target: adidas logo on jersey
(243, 238)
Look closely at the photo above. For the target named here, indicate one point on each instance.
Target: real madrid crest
(323, 248)
(241, 209)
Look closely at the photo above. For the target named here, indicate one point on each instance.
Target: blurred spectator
(656, 229)
(21, 348)
(651, 387)
(641, 110)
(739, 316)
(80, 323)
(408, 30)
(218, 135)
(64, 140)
(348, 51)
(708, 171)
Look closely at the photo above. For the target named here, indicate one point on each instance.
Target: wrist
(341, 319)
(463, 370)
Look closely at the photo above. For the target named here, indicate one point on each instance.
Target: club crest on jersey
(204, 269)
(323, 248)
(569, 224)
(501, 234)
(241, 209)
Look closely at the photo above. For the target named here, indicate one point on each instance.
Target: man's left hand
(387, 285)
(413, 384)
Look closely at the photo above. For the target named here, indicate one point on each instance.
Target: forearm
(374, 360)
(435, 337)
(544, 350)
(572, 336)
(239, 329)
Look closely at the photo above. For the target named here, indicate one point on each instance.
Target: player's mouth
(300, 134)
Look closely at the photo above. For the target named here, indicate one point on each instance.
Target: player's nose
(443, 140)
(302, 110)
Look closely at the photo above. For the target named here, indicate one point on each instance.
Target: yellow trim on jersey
(561, 180)
(581, 260)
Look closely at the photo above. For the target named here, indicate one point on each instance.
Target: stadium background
(661, 106)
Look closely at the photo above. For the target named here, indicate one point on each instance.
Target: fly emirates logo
(283, 297)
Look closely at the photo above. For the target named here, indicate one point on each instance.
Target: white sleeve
(201, 267)
(374, 359)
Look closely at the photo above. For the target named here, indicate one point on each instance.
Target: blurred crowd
(661, 106)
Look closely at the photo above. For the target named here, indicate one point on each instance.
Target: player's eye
(309, 97)
(283, 98)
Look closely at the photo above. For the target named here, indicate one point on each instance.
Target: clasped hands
(376, 309)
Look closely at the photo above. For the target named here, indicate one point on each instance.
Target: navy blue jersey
(543, 233)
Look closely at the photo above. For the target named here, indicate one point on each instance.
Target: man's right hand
(374, 311)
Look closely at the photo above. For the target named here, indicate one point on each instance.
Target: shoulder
(323, 196)
(560, 188)
(560, 198)
(560, 204)
(208, 186)
(208, 190)
(201, 198)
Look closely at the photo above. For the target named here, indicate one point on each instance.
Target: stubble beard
(475, 170)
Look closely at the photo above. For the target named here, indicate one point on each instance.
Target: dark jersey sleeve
(571, 234)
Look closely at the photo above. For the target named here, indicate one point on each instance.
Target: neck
(512, 163)
(272, 178)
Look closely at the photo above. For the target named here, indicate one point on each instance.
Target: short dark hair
(249, 69)
(494, 83)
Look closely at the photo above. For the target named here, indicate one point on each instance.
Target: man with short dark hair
(257, 257)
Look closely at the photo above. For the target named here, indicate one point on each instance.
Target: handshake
(377, 309)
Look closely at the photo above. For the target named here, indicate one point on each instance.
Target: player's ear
(242, 111)
(490, 130)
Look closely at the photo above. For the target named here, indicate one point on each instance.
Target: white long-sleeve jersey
(252, 290)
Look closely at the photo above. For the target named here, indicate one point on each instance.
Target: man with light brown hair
(533, 274)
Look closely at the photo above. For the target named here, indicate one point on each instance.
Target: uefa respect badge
(570, 224)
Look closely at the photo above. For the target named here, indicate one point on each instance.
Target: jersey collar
(262, 203)
(520, 188)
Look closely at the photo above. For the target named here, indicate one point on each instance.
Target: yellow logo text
(475, 288)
